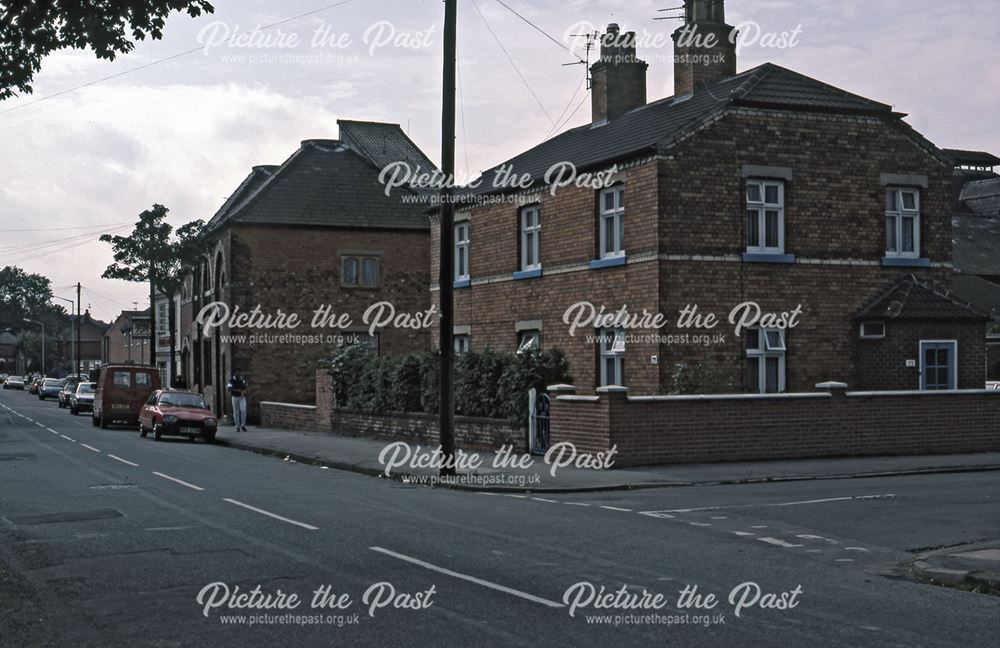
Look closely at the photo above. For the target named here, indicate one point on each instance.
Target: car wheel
(142, 431)
(209, 437)
(157, 435)
(103, 422)
(73, 411)
(93, 420)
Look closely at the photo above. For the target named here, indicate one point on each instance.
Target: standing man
(237, 390)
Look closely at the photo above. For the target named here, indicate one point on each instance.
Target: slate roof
(986, 188)
(657, 125)
(976, 245)
(382, 143)
(975, 158)
(981, 293)
(328, 184)
(332, 183)
(911, 299)
(258, 175)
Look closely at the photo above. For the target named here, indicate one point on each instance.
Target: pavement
(361, 455)
(974, 566)
(108, 540)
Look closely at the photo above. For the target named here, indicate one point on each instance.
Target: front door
(938, 364)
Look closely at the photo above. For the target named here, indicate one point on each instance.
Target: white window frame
(462, 343)
(528, 341)
(768, 347)
(898, 214)
(953, 362)
(462, 239)
(760, 208)
(531, 237)
(614, 248)
(865, 335)
(611, 345)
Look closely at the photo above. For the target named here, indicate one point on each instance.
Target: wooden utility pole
(79, 341)
(446, 273)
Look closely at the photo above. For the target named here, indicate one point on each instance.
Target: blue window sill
(527, 274)
(903, 262)
(462, 283)
(756, 257)
(610, 262)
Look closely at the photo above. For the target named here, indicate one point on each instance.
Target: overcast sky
(185, 131)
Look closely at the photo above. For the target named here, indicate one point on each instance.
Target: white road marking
(744, 533)
(657, 514)
(181, 482)
(616, 508)
(542, 499)
(719, 517)
(51, 430)
(844, 560)
(84, 445)
(759, 526)
(806, 536)
(271, 515)
(176, 528)
(700, 524)
(67, 438)
(41, 425)
(124, 461)
(779, 543)
(861, 549)
(470, 579)
(480, 492)
(517, 496)
(576, 503)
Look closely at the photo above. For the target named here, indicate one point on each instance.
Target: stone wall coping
(724, 397)
(292, 405)
(425, 415)
(926, 392)
(580, 399)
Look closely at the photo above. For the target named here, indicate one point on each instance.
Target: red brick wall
(298, 270)
(470, 433)
(755, 428)
(882, 363)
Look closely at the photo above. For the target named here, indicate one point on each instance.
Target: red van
(122, 390)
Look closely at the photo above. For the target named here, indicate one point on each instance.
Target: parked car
(68, 389)
(121, 393)
(177, 413)
(50, 388)
(3, 378)
(36, 383)
(82, 399)
(14, 382)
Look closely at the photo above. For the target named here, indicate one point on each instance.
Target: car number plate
(190, 430)
(119, 406)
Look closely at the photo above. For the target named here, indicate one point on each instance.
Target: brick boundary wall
(470, 433)
(658, 430)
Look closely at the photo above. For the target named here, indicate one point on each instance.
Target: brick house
(764, 186)
(315, 231)
(126, 340)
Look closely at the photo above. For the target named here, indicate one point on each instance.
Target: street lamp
(42, 324)
(72, 347)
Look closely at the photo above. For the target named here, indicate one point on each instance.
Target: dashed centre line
(178, 481)
(271, 515)
(124, 461)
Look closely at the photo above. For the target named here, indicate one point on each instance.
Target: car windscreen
(52, 382)
(183, 400)
(85, 388)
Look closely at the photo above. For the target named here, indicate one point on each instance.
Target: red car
(177, 413)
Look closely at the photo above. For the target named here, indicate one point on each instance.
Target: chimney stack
(619, 77)
(704, 47)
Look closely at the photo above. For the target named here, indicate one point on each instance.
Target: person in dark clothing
(238, 391)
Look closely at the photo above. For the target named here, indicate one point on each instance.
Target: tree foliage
(31, 30)
(154, 253)
(23, 295)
